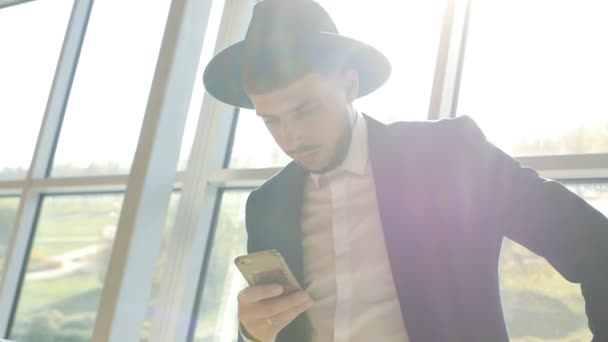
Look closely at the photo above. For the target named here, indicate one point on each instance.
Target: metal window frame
(213, 229)
(126, 290)
(192, 228)
(450, 57)
(9, 3)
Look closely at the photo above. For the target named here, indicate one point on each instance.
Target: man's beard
(340, 151)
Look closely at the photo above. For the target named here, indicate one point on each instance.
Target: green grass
(62, 309)
(540, 304)
(42, 295)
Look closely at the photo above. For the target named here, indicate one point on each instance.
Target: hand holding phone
(267, 267)
(274, 297)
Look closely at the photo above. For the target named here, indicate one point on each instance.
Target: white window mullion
(572, 166)
(12, 187)
(450, 56)
(9, 3)
(189, 240)
(24, 220)
(126, 291)
(242, 178)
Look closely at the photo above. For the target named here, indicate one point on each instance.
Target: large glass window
(66, 268)
(254, 147)
(8, 209)
(27, 66)
(407, 32)
(535, 75)
(111, 87)
(538, 303)
(217, 316)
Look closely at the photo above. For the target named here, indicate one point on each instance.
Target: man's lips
(305, 154)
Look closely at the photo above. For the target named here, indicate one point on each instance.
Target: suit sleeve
(547, 218)
(250, 221)
(244, 335)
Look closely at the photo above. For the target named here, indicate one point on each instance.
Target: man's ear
(350, 81)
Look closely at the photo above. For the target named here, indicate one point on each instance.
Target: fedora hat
(286, 32)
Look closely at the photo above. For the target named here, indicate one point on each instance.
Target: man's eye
(307, 112)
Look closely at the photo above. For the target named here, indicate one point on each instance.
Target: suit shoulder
(275, 183)
(460, 129)
(462, 123)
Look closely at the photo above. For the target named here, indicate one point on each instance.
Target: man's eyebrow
(299, 107)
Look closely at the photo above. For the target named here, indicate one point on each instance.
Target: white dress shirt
(346, 266)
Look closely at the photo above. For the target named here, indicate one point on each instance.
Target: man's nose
(292, 136)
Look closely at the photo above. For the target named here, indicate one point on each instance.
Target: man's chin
(312, 167)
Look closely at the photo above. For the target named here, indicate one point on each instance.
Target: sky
(532, 69)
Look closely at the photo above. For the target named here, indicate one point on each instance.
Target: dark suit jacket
(446, 198)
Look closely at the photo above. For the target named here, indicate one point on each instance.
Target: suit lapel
(281, 230)
(399, 190)
(289, 192)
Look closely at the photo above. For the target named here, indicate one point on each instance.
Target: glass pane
(66, 268)
(407, 32)
(407, 93)
(539, 304)
(213, 26)
(160, 266)
(111, 87)
(8, 209)
(217, 317)
(254, 147)
(538, 87)
(27, 65)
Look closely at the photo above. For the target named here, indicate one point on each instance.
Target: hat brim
(223, 75)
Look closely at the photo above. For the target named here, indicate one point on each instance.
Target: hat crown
(285, 22)
(285, 36)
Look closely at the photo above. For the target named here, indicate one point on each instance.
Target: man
(394, 231)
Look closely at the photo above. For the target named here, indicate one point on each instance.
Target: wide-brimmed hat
(290, 28)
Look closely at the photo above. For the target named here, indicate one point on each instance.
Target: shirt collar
(356, 159)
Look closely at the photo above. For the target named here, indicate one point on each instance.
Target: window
(66, 268)
(217, 314)
(534, 84)
(27, 66)
(111, 87)
(67, 252)
(8, 209)
(254, 147)
(407, 33)
(538, 303)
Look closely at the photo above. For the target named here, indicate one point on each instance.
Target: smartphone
(267, 267)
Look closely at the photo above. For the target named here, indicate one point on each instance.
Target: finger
(257, 293)
(281, 320)
(272, 307)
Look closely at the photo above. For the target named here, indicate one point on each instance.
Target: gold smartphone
(267, 267)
